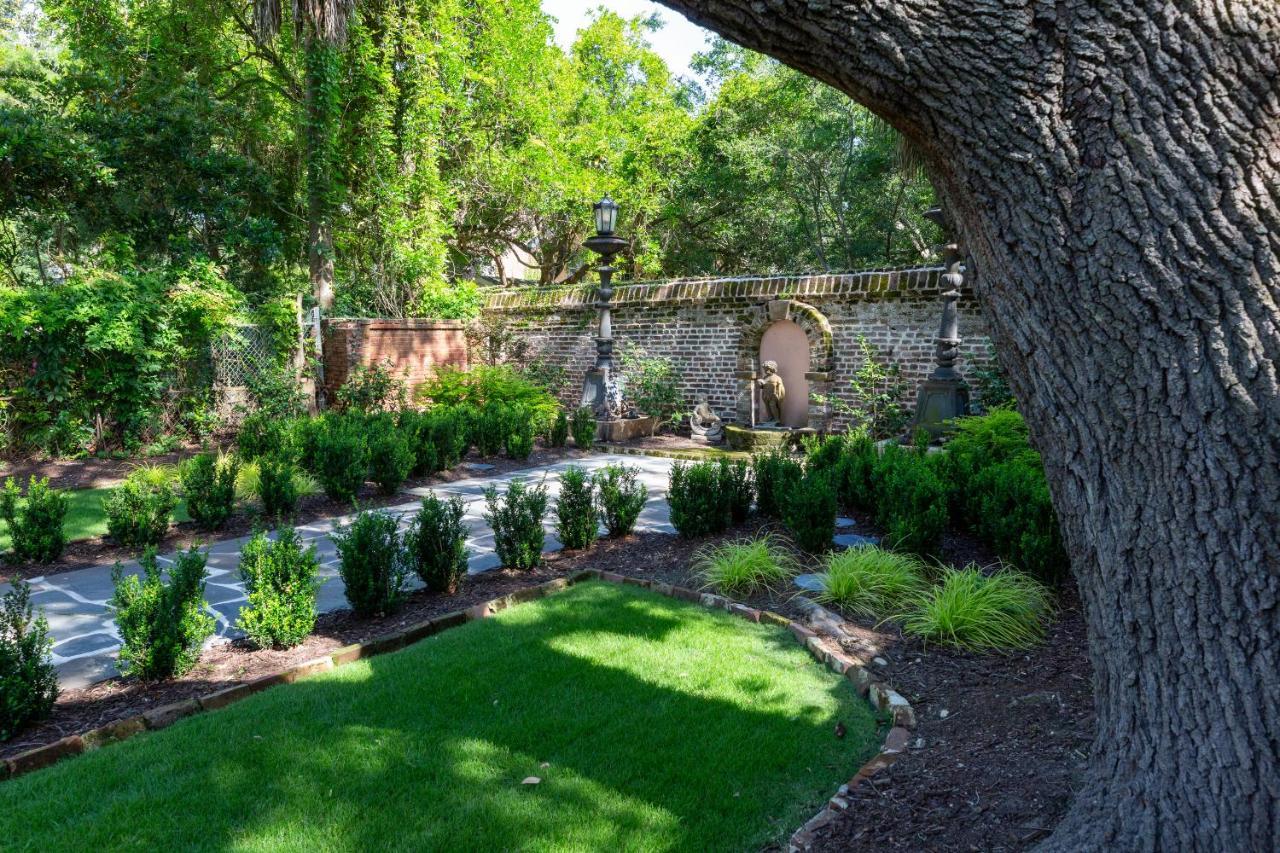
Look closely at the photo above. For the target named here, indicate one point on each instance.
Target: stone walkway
(83, 627)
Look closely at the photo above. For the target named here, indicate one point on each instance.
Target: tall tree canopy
(1112, 166)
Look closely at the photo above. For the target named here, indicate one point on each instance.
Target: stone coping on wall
(871, 286)
(883, 699)
(395, 323)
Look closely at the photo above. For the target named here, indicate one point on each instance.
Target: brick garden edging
(882, 698)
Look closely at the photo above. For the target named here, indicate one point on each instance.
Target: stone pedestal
(625, 429)
(762, 438)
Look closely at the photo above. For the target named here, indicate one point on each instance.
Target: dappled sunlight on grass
(661, 725)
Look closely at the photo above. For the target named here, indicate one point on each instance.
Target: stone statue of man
(772, 393)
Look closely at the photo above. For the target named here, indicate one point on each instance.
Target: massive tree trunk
(1114, 169)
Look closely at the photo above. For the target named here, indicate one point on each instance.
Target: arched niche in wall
(818, 372)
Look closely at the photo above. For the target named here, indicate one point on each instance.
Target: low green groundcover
(651, 723)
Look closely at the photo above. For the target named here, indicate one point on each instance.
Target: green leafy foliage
(583, 427)
(738, 487)
(871, 582)
(878, 391)
(371, 564)
(281, 580)
(341, 456)
(372, 388)
(436, 543)
(277, 486)
(972, 610)
(576, 523)
(911, 501)
(622, 498)
(520, 430)
(450, 433)
(28, 680)
(486, 385)
(855, 472)
(490, 428)
(209, 487)
(35, 521)
(776, 474)
(810, 511)
(391, 455)
(417, 429)
(1016, 517)
(745, 566)
(262, 434)
(698, 506)
(162, 625)
(516, 518)
(558, 435)
(652, 383)
(139, 509)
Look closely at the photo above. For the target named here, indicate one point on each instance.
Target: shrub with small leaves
(28, 680)
(576, 523)
(738, 486)
(372, 388)
(341, 460)
(583, 427)
(277, 486)
(1016, 517)
(810, 511)
(209, 486)
(372, 566)
(450, 427)
(391, 455)
(489, 428)
(855, 473)
(162, 625)
(138, 510)
(281, 580)
(622, 497)
(776, 474)
(262, 434)
(520, 430)
(516, 518)
(698, 508)
(436, 543)
(416, 427)
(911, 501)
(558, 434)
(35, 526)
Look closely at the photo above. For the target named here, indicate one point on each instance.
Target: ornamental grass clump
(371, 564)
(436, 544)
(975, 611)
(576, 523)
(162, 625)
(622, 498)
(209, 486)
(871, 582)
(698, 507)
(583, 427)
(516, 519)
(745, 566)
(28, 681)
(281, 581)
(139, 509)
(36, 523)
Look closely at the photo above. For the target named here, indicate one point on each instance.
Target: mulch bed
(88, 473)
(101, 549)
(1001, 740)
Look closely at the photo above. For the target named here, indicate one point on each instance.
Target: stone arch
(817, 329)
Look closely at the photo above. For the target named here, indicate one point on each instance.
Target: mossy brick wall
(415, 348)
(708, 327)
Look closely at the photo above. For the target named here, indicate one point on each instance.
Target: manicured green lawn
(85, 517)
(661, 726)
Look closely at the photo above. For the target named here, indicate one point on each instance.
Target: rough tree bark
(1114, 167)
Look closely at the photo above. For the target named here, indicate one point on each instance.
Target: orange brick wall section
(415, 348)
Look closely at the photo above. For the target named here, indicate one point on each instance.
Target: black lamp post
(944, 395)
(595, 388)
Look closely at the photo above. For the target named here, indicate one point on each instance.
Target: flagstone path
(82, 623)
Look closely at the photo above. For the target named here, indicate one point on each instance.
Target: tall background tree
(1112, 166)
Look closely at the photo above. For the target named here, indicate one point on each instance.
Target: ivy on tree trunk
(1113, 166)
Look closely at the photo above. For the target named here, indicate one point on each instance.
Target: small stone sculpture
(772, 394)
(705, 425)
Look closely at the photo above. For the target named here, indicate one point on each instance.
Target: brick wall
(414, 347)
(712, 328)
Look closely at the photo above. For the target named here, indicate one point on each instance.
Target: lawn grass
(85, 518)
(653, 724)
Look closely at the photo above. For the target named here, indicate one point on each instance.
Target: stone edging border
(883, 699)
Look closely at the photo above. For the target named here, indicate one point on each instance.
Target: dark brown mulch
(101, 549)
(89, 473)
(1002, 742)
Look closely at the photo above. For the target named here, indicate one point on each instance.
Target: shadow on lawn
(426, 749)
